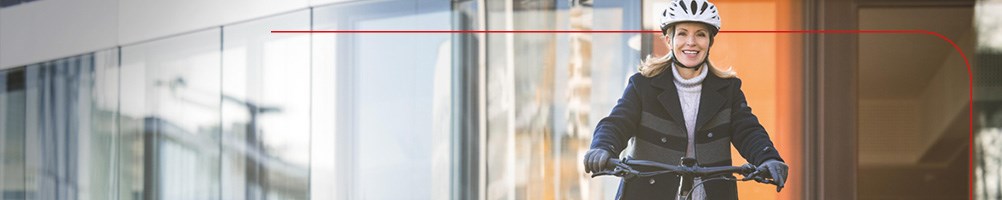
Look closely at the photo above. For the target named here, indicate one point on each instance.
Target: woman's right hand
(595, 160)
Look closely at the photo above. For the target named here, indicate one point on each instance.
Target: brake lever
(756, 176)
(769, 181)
(625, 173)
(750, 176)
(765, 180)
(601, 173)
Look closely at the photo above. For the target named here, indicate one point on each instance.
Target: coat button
(652, 181)
(709, 135)
(664, 140)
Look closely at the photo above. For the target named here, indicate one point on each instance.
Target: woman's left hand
(777, 170)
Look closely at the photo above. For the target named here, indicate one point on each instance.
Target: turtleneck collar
(695, 81)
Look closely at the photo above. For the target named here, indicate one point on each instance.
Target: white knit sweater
(688, 95)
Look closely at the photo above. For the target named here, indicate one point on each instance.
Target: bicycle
(688, 172)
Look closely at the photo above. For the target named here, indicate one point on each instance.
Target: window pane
(266, 109)
(170, 118)
(32, 147)
(393, 99)
(546, 92)
(12, 115)
(99, 147)
(323, 143)
(61, 150)
(60, 127)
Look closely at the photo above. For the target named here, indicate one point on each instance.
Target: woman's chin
(690, 64)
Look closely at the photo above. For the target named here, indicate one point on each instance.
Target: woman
(679, 106)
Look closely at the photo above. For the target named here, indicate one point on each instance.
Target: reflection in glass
(59, 117)
(12, 103)
(58, 128)
(323, 116)
(988, 101)
(170, 128)
(546, 91)
(266, 109)
(394, 91)
(97, 161)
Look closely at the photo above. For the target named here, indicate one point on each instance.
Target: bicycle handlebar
(622, 168)
(683, 170)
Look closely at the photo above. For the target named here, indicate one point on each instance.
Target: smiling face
(690, 43)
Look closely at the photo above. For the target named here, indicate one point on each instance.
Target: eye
(701, 34)
(681, 33)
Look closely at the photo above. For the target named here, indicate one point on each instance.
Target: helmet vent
(701, 10)
(692, 5)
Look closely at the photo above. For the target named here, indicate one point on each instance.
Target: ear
(667, 41)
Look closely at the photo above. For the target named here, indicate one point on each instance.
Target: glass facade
(236, 112)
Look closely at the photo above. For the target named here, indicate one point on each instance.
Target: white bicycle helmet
(689, 11)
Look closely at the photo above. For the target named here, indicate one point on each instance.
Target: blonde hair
(652, 66)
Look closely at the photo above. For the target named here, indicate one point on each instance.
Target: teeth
(689, 52)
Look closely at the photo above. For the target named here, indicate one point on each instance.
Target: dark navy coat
(650, 112)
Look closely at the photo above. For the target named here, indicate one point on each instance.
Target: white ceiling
(896, 66)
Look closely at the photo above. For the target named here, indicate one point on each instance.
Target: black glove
(777, 170)
(595, 160)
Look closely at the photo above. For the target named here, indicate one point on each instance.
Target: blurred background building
(189, 99)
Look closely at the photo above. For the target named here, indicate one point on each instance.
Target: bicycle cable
(707, 180)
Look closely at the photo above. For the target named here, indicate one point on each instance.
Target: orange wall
(770, 66)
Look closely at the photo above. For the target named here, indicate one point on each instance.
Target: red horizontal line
(465, 31)
(595, 31)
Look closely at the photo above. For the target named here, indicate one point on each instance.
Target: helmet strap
(675, 60)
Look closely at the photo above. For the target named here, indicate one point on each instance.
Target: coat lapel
(710, 100)
(669, 96)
